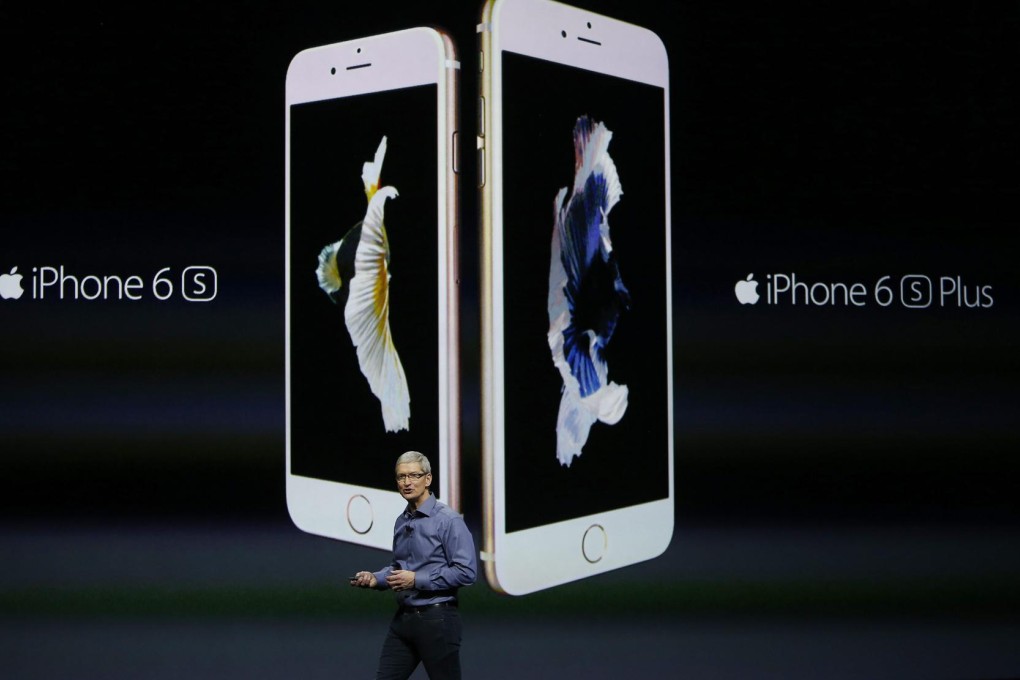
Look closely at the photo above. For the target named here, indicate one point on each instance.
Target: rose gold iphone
(371, 310)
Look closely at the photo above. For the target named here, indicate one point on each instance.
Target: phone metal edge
(487, 66)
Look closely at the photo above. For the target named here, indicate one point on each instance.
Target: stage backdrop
(845, 206)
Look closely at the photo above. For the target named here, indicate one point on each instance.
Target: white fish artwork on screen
(586, 293)
(355, 273)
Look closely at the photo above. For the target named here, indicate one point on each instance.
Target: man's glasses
(410, 475)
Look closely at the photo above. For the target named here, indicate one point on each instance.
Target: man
(433, 556)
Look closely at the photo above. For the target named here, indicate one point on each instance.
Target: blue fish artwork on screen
(355, 273)
(586, 293)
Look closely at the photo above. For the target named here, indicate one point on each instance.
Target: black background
(841, 470)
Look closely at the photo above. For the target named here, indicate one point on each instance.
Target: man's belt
(408, 609)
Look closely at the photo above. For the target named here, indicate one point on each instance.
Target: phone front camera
(563, 33)
(589, 24)
(359, 50)
(332, 71)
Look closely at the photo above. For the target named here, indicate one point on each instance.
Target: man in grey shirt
(433, 556)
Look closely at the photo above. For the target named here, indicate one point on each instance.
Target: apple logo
(747, 291)
(10, 285)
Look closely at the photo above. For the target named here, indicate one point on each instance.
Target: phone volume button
(455, 152)
(481, 163)
(481, 116)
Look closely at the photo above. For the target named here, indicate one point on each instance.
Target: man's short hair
(415, 457)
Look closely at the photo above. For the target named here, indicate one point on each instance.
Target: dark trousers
(431, 637)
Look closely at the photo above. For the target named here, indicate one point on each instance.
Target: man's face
(412, 482)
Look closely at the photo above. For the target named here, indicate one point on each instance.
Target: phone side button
(594, 543)
(359, 514)
(455, 151)
(481, 116)
(481, 163)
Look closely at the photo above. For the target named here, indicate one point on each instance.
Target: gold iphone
(577, 426)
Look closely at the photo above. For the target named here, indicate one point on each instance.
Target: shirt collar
(426, 508)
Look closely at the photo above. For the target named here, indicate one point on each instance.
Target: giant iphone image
(371, 298)
(577, 410)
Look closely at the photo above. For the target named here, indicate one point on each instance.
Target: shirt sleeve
(380, 577)
(460, 568)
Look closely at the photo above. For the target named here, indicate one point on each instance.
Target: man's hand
(364, 579)
(400, 579)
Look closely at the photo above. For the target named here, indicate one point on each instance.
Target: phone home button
(594, 543)
(359, 514)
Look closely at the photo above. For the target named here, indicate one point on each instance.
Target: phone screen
(337, 427)
(620, 464)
